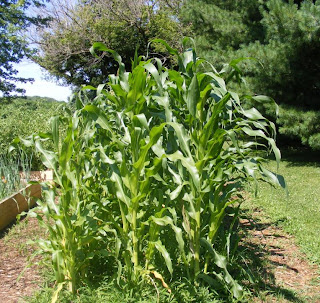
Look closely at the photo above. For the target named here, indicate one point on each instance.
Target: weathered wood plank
(11, 206)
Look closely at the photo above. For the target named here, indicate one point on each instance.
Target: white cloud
(40, 87)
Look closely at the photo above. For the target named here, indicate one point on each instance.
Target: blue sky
(40, 87)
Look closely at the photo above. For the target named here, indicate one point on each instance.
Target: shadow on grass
(296, 157)
(300, 157)
(258, 266)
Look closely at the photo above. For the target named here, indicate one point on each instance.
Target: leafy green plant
(73, 204)
(10, 168)
(146, 172)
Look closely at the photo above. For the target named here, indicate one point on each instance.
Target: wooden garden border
(22, 200)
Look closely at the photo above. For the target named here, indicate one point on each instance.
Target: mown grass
(298, 213)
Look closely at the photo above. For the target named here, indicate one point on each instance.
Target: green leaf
(142, 120)
(212, 282)
(260, 133)
(58, 263)
(161, 248)
(189, 164)
(103, 157)
(49, 158)
(66, 149)
(154, 72)
(253, 114)
(55, 131)
(212, 123)
(266, 99)
(98, 115)
(171, 50)
(154, 136)
(193, 96)
(102, 47)
(116, 178)
(164, 101)
(218, 80)
(183, 137)
(221, 262)
(273, 178)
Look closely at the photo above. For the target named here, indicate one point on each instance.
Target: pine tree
(283, 37)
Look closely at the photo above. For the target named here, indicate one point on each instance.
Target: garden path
(287, 275)
(14, 253)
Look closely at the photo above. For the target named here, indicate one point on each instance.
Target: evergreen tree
(283, 37)
(222, 27)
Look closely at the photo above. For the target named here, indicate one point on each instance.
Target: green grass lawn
(299, 212)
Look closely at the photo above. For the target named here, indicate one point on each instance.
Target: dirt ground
(286, 275)
(14, 253)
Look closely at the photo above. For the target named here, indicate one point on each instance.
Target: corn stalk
(147, 169)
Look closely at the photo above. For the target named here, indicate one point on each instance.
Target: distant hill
(38, 98)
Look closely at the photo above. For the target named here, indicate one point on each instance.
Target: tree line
(277, 40)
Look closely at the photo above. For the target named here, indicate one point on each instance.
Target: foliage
(23, 117)
(13, 46)
(108, 292)
(300, 125)
(291, 66)
(146, 172)
(222, 26)
(120, 24)
(282, 36)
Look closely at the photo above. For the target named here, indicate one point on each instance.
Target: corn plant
(70, 209)
(184, 134)
(146, 172)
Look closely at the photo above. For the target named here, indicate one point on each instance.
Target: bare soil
(285, 273)
(14, 254)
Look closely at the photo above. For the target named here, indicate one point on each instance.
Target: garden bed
(15, 204)
(22, 200)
